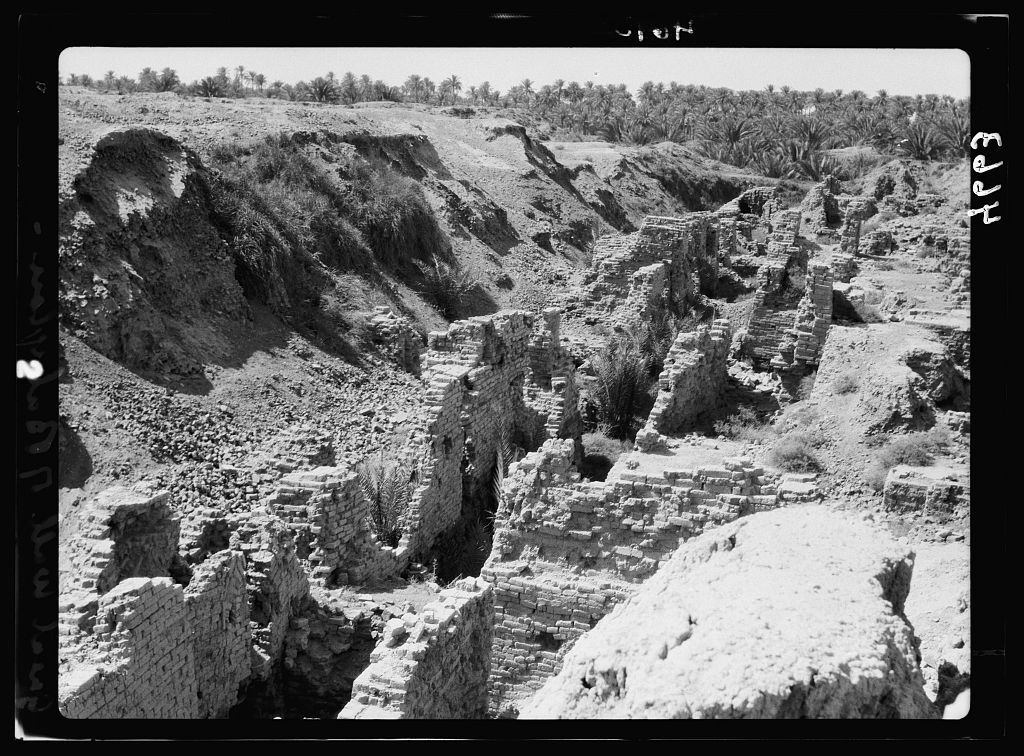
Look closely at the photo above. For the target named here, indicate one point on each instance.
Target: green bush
(744, 425)
(387, 486)
(794, 452)
(623, 384)
(654, 338)
(447, 286)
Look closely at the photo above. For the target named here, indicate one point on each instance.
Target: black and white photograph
(627, 380)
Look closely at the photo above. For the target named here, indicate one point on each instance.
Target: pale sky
(898, 71)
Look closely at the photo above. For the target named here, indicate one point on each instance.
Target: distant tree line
(779, 132)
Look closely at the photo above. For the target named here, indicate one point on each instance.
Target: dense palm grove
(778, 132)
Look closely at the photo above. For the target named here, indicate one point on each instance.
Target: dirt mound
(791, 613)
(143, 269)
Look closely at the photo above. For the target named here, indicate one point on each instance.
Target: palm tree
(322, 90)
(413, 86)
(239, 70)
(527, 87)
(168, 80)
(348, 90)
(453, 85)
(149, 81)
(365, 87)
(260, 80)
(209, 87)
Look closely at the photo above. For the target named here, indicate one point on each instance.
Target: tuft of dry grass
(745, 425)
(847, 383)
(913, 449)
(794, 452)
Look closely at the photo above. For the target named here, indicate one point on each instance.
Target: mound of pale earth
(896, 372)
(939, 607)
(790, 613)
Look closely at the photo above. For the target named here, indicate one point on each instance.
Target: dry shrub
(744, 425)
(912, 449)
(869, 313)
(794, 452)
(600, 454)
(846, 383)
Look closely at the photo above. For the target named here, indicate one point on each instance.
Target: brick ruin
(431, 665)
(157, 622)
(691, 384)
(664, 267)
(566, 551)
(198, 614)
(397, 338)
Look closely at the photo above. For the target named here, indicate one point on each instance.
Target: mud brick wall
(820, 209)
(276, 585)
(124, 534)
(547, 359)
(692, 382)
(397, 339)
(750, 202)
(928, 491)
(665, 263)
(726, 241)
(648, 294)
(566, 552)
(499, 376)
(145, 662)
(814, 316)
(857, 210)
(773, 313)
(436, 503)
(844, 267)
(432, 665)
(658, 241)
(784, 227)
(217, 613)
(700, 264)
(327, 512)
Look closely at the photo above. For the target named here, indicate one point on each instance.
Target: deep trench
(312, 688)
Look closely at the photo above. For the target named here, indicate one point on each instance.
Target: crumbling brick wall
(326, 510)
(936, 492)
(124, 534)
(217, 614)
(820, 209)
(784, 227)
(145, 663)
(276, 584)
(666, 264)
(397, 338)
(157, 651)
(814, 317)
(752, 201)
(566, 552)
(431, 665)
(692, 382)
(774, 310)
(844, 267)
